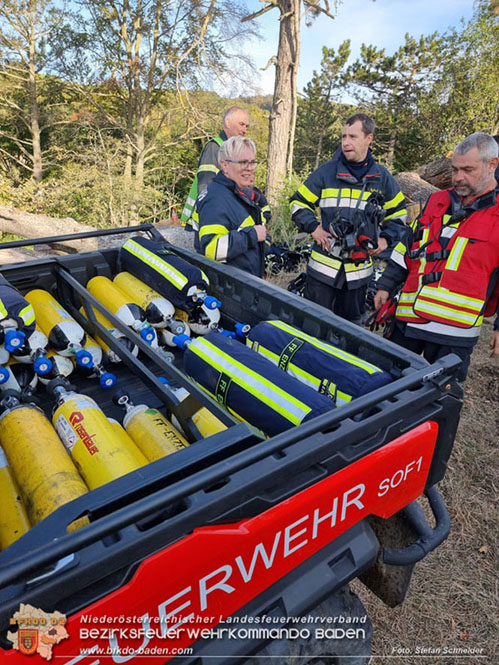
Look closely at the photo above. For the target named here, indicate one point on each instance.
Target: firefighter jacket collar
(356, 169)
(250, 197)
(343, 171)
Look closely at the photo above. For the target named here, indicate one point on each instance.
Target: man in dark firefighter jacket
(362, 213)
(231, 214)
(449, 266)
(236, 123)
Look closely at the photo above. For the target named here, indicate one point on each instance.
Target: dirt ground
(451, 613)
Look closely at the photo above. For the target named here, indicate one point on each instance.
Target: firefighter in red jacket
(450, 266)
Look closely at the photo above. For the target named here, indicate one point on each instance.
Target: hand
(380, 299)
(322, 238)
(382, 245)
(494, 344)
(261, 232)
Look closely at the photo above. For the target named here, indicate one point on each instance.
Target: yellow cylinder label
(96, 448)
(154, 434)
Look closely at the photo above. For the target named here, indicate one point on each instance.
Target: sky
(382, 23)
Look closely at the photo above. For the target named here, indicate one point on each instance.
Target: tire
(349, 612)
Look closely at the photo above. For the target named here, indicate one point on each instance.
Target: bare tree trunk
(34, 110)
(280, 123)
(294, 91)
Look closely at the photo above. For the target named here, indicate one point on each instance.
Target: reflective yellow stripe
(330, 192)
(328, 348)
(249, 221)
(327, 260)
(294, 206)
(292, 369)
(307, 194)
(456, 254)
(352, 267)
(406, 312)
(444, 312)
(216, 229)
(398, 213)
(258, 386)
(394, 202)
(164, 269)
(3, 310)
(27, 315)
(210, 168)
(442, 294)
(217, 248)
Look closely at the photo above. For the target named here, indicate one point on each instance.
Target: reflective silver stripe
(443, 312)
(355, 275)
(456, 254)
(320, 267)
(443, 329)
(397, 258)
(299, 206)
(332, 202)
(222, 248)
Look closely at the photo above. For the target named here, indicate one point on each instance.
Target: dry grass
(452, 608)
(453, 602)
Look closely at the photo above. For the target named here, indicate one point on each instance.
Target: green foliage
(282, 229)
(319, 119)
(391, 87)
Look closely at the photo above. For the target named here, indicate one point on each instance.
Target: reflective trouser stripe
(325, 270)
(255, 384)
(149, 258)
(354, 274)
(3, 310)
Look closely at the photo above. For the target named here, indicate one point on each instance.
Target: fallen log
(416, 191)
(29, 225)
(438, 172)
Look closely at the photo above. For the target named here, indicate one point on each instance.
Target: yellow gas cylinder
(122, 306)
(150, 429)
(205, 421)
(14, 521)
(65, 335)
(46, 475)
(105, 323)
(158, 309)
(96, 448)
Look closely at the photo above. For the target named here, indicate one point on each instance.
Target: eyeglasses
(245, 163)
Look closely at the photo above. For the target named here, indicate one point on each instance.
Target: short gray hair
(231, 111)
(233, 147)
(484, 143)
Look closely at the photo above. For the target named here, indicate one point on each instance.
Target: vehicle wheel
(335, 616)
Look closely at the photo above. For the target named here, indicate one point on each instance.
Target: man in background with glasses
(231, 213)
